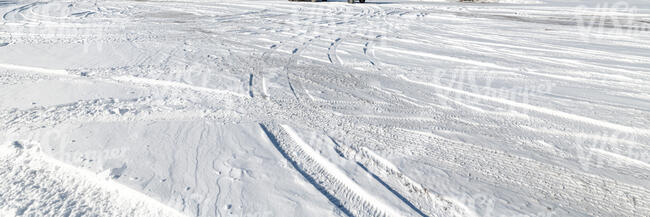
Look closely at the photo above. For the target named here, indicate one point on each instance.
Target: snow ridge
(35, 184)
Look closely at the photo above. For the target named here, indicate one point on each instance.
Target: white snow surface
(278, 108)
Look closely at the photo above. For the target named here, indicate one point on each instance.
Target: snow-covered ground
(277, 108)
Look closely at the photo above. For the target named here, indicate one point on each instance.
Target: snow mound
(36, 185)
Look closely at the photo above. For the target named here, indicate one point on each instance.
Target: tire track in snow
(543, 110)
(258, 70)
(250, 86)
(621, 158)
(378, 167)
(447, 58)
(344, 192)
(546, 179)
(293, 60)
(310, 179)
(331, 52)
(20, 9)
(339, 175)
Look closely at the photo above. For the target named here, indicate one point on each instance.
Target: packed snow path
(276, 108)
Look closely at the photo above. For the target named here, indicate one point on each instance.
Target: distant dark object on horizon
(349, 1)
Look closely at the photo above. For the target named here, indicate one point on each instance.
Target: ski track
(396, 86)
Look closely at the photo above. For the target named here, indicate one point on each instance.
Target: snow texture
(278, 108)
